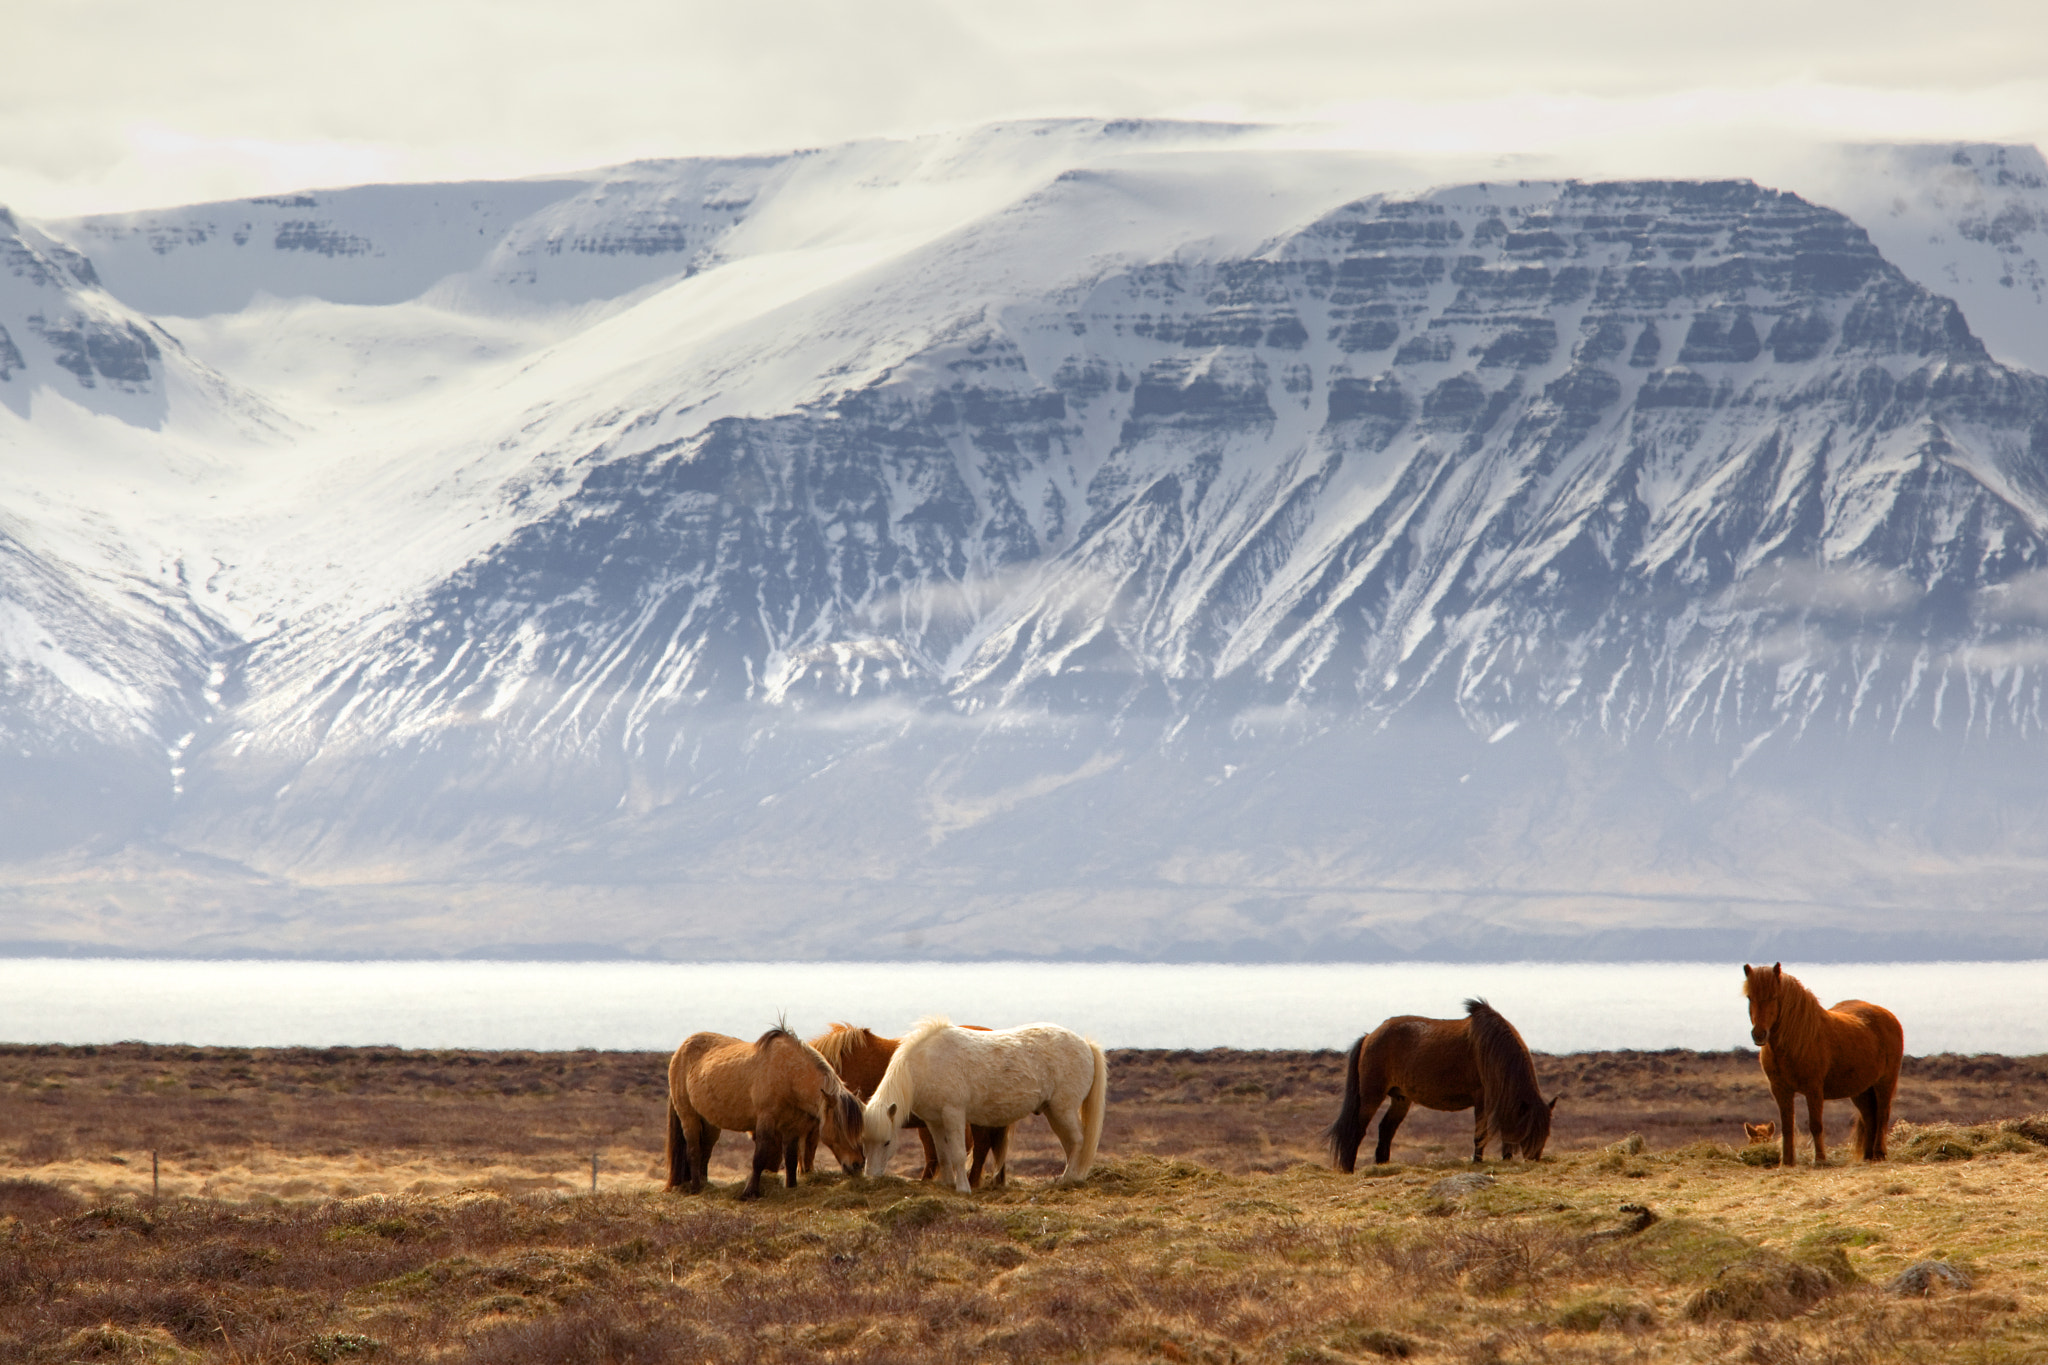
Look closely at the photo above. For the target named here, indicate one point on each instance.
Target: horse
(860, 1057)
(1478, 1063)
(951, 1077)
(777, 1087)
(1849, 1052)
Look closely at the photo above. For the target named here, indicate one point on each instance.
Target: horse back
(714, 1075)
(1868, 1043)
(1430, 1061)
(991, 1072)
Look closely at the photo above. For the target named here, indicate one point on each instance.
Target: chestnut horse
(861, 1057)
(1851, 1052)
(1478, 1063)
(777, 1087)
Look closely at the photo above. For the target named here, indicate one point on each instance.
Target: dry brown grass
(1207, 1233)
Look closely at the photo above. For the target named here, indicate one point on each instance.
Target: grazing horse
(1478, 1063)
(861, 1057)
(1849, 1052)
(952, 1077)
(777, 1087)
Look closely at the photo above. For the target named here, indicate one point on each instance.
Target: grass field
(384, 1205)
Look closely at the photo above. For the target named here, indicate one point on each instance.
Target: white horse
(951, 1077)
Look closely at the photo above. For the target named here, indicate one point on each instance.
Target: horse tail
(1093, 1106)
(1348, 1131)
(678, 1151)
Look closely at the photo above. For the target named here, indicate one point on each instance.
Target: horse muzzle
(1760, 1036)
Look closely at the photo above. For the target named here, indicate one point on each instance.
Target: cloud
(2002, 656)
(2023, 599)
(122, 103)
(1829, 589)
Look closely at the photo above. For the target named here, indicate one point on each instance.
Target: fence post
(155, 1186)
(593, 1172)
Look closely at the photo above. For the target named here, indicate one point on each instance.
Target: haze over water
(1945, 1007)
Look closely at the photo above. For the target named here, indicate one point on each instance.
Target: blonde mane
(842, 1038)
(923, 1029)
(896, 1086)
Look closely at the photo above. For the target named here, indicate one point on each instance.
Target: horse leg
(1066, 1126)
(809, 1156)
(1866, 1124)
(767, 1154)
(931, 1150)
(1481, 1128)
(1814, 1103)
(949, 1132)
(999, 1152)
(789, 1160)
(1788, 1126)
(702, 1138)
(978, 1142)
(1397, 1109)
(701, 1157)
(678, 1151)
(989, 1142)
(1881, 1120)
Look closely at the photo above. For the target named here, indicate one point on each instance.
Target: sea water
(1559, 1007)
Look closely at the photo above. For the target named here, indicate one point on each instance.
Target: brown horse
(777, 1087)
(861, 1057)
(1851, 1052)
(1478, 1063)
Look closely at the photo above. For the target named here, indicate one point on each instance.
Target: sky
(118, 104)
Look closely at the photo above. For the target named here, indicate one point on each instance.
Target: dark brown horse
(1851, 1052)
(777, 1087)
(861, 1057)
(1478, 1063)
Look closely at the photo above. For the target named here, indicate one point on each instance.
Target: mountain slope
(1151, 549)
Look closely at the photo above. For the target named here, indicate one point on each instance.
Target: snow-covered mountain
(1060, 539)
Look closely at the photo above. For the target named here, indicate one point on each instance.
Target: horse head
(841, 1130)
(1534, 1125)
(1762, 989)
(880, 1123)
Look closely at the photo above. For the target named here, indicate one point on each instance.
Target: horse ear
(1778, 969)
(1554, 1099)
(1745, 969)
(892, 1111)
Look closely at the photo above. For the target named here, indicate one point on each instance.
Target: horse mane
(781, 1030)
(1507, 1075)
(833, 1089)
(1802, 1019)
(896, 1086)
(841, 1039)
(923, 1029)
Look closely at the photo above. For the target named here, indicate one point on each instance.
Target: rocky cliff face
(1555, 567)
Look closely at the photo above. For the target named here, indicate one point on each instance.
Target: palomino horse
(1478, 1063)
(861, 1057)
(777, 1087)
(1849, 1052)
(951, 1077)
